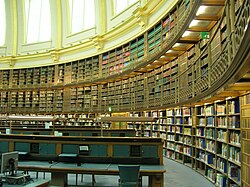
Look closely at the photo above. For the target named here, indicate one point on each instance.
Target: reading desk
(59, 171)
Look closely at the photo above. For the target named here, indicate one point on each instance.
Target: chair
(129, 175)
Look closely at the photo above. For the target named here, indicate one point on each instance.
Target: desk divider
(101, 149)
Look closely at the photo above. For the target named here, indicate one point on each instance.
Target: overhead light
(162, 56)
(176, 45)
(186, 33)
(194, 23)
(170, 51)
(246, 27)
(228, 98)
(201, 10)
(217, 101)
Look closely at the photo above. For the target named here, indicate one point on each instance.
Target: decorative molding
(55, 55)
(11, 60)
(141, 17)
(98, 42)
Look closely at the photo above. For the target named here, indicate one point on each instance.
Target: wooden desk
(60, 170)
(120, 150)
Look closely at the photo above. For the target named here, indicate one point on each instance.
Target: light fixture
(194, 23)
(246, 26)
(176, 45)
(169, 51)
(201, 10)
(186, 33)
(217, 101)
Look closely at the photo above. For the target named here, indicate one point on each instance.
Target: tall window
(122, 5)
(82, 14)
(2, 23)
(38, 21)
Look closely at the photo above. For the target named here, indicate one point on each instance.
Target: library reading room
(129, 93)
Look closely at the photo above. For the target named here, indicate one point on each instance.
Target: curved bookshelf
(116, 78)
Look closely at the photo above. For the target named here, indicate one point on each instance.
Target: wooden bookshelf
(172, 79)
(245, 129)
(142, 78)
(155, 39)
(207, 138)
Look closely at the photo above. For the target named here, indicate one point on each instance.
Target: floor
(177, 175)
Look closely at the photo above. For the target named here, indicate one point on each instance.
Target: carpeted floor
(177, 175)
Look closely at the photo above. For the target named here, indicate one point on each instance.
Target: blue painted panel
(4, 147)
(150, 151)
(70, 148)
(43, 149)
(74, 133)
(87, 133)
(47, 148)
(27, 132)
(105, 133)
(115, 134)
(51, 148)
(22, 146)
(121, 150)
(44, 133)
(98, 150)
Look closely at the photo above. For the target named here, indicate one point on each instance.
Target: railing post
(209, 65)
(228, 31)
(231, 14)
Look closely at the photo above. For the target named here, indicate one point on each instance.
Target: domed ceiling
(44, 32)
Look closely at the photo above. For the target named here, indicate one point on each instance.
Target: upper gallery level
(197, 50)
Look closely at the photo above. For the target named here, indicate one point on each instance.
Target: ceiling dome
(44, 32)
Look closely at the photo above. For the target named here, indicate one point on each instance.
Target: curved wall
(123, 79)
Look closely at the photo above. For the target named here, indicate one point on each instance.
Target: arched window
(82, 14)
(2, 23)
(119, 5)
(38, 21)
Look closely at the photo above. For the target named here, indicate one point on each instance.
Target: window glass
(119, 5)
(82, 14)
(38, 21)
(2, 23)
